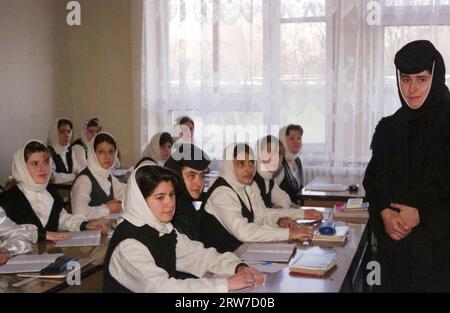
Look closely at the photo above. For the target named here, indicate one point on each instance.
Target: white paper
(277, 252)
(81, 238)
(29, 263)
(326, 187)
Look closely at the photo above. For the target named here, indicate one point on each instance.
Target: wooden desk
(89, 273)
(329, 198)
(343, 279)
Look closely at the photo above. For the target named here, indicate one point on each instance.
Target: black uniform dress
(411, 165)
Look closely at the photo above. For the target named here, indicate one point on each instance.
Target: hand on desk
(301, 232)
(55, 236)
(285, 222)
(95, 224)
(313, 215)
(114, 206)
(246, 277)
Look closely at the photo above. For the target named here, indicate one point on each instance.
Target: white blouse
(133, 266)
(79, 157)
(224, 204)
(17, 239)
(63, 178)
(81, 196)
(280, 199)
(42, 203)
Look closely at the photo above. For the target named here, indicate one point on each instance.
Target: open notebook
(29, 263)
(81, 238)
(313, 264)
(269, 252)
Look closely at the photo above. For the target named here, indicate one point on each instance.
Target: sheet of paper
(81, 238)
(28, 263)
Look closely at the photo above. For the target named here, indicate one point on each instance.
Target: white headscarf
(261, 146)
(227, 169)
(20, 171)
(288, 155)
(53, 135)
(153, 150)
(92, 161)
(136, 210)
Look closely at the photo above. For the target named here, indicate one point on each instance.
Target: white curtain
(261, 64)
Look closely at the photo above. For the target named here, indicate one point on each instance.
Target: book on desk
(337, 239)
(269, 252)
(312, 264)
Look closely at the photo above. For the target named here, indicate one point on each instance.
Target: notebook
(269, 252)
(354, 203)
(81, 239)
(82, 262)
(29, 263)
(313, 264)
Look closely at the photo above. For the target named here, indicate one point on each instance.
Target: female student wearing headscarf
(33, 201)
(90, 128)
(146, 251)
(407, 180)
(96, 192)
(232, 213)
(15, 239)
(191, 164)
(269, 157)
(290, 178)
(160, 148)
(65, 167)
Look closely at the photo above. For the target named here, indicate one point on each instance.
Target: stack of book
(269, 252)
(338, 239)
(312, 264)
(354, 211)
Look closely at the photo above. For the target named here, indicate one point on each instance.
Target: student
(290, 178)
(15, 239)
(160, 148)
(90, 128)
(186, 127)
(33, 201)
(407, 180)
(191, 164)
(146, 251)
(65, 167)
(232, 213)
(269, 159)
(96, 192)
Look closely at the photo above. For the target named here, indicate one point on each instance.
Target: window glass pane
(390, 3)
(303, 57)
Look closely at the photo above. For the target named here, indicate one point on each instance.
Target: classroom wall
(101, 70)
(33, 73)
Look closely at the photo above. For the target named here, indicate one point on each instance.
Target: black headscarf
(413, 58)
(191, 156)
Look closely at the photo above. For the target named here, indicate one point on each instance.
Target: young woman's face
(194, 181)
(38, 166)
(162, 202)
(64, 134)
(415, 88)
(244, 168)
(91, 132)
(106, 154)
(270, 160)
(165, 151)
(294, 141)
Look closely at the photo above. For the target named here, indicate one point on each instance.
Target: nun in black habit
(407, 180)
(191, 164)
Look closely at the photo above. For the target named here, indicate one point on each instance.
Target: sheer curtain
(243, 69)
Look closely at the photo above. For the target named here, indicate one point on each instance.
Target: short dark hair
(242, 147)
(100, 138)
(294, 127)
(148, 178)
(143, 160)
(94, 122)
(65, 121)
(165, 138)
(33, 147)
(186, 119)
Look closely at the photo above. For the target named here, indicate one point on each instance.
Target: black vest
(98, 195)
(60, 167)
(265, 194)
(19, 210)
(212, 233)
(80, 143)
(290, 184)
(162, 250)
